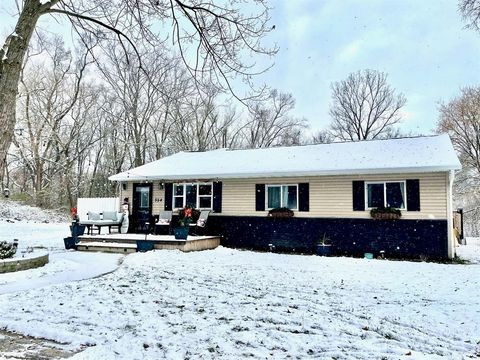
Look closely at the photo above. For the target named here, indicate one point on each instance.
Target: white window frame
(281, 198)
(198, 196)
(385, 192)
(204, 196)
(178, 196)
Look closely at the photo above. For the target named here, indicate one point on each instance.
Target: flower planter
(282, 212)
(324, 250)
(70, 243)
(77, 230)
(144, 245)
(280, 215)
(386, 216)
(181, 233)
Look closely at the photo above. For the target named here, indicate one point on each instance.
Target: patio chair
(164, 220)
(201, 223)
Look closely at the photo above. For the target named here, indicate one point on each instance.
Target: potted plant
(280, 212)
(323, 246)
(76, 229)
(184, 220)
(385, 213)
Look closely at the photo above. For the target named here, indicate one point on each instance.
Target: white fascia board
(135, 177)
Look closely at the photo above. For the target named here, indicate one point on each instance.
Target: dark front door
(141, 206)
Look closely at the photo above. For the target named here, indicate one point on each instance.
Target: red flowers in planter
(185, 216)
(73, 212)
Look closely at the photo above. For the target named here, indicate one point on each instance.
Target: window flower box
(386, 213)
(280, 213)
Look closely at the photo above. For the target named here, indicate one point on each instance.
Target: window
(197, 195)
(282, 196)
(178, 191)
(143, 193)
(385, 194)
(205, 196)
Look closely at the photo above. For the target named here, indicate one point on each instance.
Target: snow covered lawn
(33, 234)
(230, 304)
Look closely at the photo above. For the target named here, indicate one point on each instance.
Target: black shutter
(259, 197)
(304, 197)
(358, 191)
(413, 195)
(217, 197)
(168, 196)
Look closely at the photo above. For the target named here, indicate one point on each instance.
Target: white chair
(165, 219)
(201, 223)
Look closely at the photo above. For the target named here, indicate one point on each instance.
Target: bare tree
(322, 137)
(138, 93)
(365, 107)
(460, 118)
(470, 12)
(212, 39)
(58, 122)
(47, 102)
(270, 123)
(200, 125)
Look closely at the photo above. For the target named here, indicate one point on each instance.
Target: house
(330, 187)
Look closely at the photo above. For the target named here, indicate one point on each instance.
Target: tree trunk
(11, 60)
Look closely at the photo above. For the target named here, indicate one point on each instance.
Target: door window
(143, 194)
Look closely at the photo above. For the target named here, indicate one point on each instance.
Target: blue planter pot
(324, 250)
(143, 245)
(77, 230)
(181, 232)
(70, 243)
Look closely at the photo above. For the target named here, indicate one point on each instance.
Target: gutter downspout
(451, 237)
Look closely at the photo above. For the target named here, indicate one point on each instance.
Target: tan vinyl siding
(158, 203)
(331, 196)
(128, 193)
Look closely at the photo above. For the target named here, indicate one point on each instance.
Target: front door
(141, 206)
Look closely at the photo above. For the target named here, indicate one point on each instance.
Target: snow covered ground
(37, 235)
(64, 266)
(14, 210)
(470, 252)
(231, 304)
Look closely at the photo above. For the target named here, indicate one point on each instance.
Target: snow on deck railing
(98, 205)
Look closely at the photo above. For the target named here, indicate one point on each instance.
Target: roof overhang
(131, 176)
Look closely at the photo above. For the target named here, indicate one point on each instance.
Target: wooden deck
(128, 243)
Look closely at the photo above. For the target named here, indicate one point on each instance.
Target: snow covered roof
(405, 155)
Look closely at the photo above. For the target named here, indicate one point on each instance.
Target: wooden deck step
(128, 243)
(111, 247)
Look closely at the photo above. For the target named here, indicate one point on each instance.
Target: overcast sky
(422, 45)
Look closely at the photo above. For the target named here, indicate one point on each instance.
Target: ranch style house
(331, 189)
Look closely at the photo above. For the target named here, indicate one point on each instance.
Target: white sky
(422, 45)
